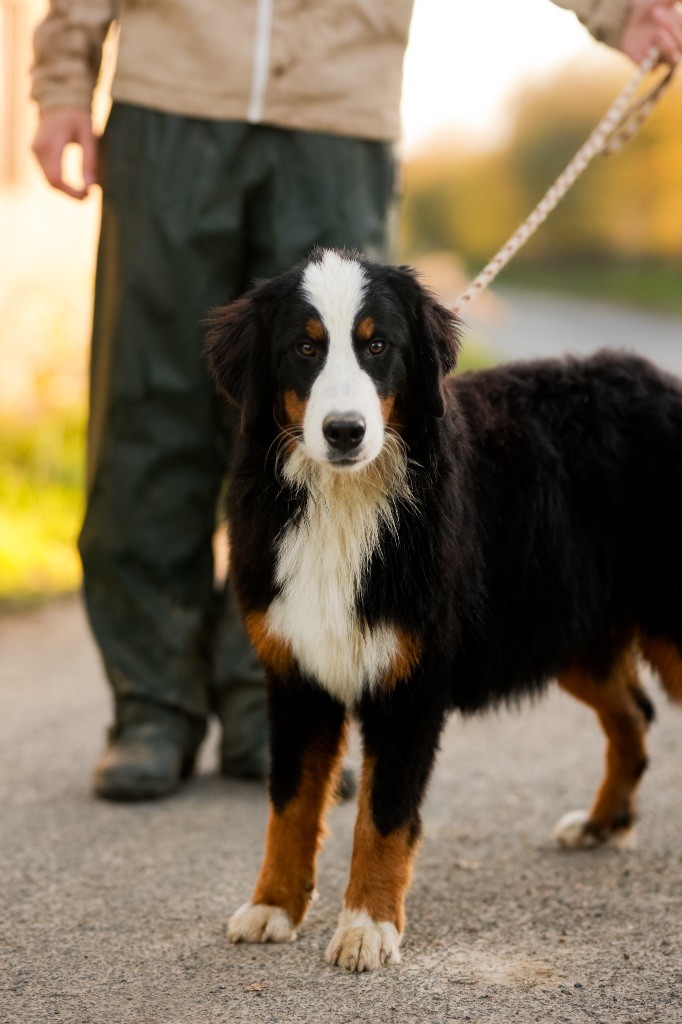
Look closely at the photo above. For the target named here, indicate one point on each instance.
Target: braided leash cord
(620, 123)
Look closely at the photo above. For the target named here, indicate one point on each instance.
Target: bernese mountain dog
(406, 543)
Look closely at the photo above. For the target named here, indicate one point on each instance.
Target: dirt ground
(117, 914)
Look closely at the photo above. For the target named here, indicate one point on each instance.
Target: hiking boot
(346, 787)
(150, 751)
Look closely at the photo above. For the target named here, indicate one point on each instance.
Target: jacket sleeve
(605, 19)
(68, 52)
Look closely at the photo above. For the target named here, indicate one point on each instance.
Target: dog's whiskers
(288, 435)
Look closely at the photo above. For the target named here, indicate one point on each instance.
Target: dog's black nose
(344, 433)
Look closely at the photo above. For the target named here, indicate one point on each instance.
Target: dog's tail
(665, 659)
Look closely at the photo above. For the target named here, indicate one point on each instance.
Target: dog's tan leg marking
(623, 720)
(286, 882)
(372, 921)
(666, 659)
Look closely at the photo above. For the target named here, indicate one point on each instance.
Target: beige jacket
(319, 65)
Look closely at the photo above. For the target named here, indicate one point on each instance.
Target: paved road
(526, 325)
(116, 914)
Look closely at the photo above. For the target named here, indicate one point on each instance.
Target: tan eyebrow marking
(314, 329)
(365, 328)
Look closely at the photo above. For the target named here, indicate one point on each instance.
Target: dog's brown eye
(306, 348)
(376, 347)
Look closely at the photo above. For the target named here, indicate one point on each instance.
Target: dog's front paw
(576, 831)
(361, 944)
(258, 922)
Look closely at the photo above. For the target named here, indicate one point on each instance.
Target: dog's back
(577, 471)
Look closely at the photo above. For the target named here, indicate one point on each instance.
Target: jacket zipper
(261, 60)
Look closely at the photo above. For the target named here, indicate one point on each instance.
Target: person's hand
(56, 129)
(653, 23)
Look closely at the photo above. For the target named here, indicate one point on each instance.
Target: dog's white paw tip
(258, 922)
(624, 838)
(570, 831)
(361, 944)
(573, 833)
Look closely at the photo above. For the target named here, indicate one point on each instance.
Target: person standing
(242, 134)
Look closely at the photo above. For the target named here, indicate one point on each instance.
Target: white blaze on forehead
(335, 287)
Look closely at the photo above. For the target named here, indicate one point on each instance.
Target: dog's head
(335, 352)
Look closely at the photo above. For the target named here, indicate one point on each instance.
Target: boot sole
(133, 792)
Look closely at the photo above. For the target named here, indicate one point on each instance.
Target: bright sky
(466, 58)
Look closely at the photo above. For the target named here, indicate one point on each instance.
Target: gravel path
(117, 913)
(114, 913)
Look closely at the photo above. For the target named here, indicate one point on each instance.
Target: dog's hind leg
(624, 712)
(307, 731)
(666, 660)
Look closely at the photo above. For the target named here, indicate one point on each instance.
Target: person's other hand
(56, 130)
(653, 23)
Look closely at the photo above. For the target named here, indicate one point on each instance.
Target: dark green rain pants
(193, 211)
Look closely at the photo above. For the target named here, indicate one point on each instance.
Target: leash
(619, 124)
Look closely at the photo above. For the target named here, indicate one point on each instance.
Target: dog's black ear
(436, 337)
(237, 354)
(435, 332)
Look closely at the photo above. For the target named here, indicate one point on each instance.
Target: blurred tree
(627, 206)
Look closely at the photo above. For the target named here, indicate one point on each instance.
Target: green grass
(646, 285)
(41, 501)
(474, 354)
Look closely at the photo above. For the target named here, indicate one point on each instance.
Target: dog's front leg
(400, 737)
(307, 731)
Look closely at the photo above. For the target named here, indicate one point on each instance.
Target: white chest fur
(321, 560)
